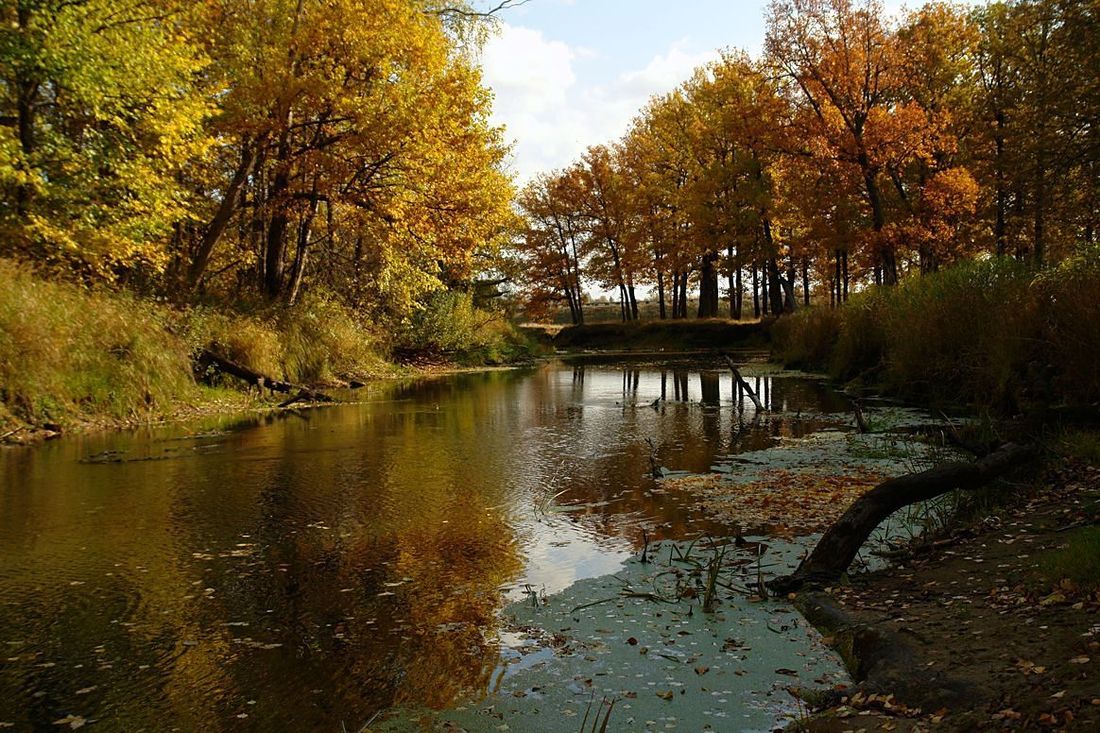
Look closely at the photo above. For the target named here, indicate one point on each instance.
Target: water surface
(318, 568)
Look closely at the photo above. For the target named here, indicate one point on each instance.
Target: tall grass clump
(861, 343)
(67, 353)
(1068, 298)
(317, 341)
(965, 334)
(989, 332)
(806, 340)
(324, 341)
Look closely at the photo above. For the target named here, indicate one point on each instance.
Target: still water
(309, 570)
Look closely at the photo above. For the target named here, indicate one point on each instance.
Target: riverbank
(995, 625)
(74, 358)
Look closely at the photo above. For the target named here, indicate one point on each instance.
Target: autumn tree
(549, 246)
(840, 63)
(98, 121)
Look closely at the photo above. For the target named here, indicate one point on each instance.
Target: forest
(858, 150)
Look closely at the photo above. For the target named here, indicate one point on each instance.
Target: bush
(449, 324)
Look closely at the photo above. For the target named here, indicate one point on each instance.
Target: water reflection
(294, 572)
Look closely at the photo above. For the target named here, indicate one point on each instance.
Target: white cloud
(665, 71)
(549, 115)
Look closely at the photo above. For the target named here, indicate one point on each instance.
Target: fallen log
(744, 385)
(208, 358)
(838, 547)
(306, 395)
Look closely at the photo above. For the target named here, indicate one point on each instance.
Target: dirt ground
(1020, 651)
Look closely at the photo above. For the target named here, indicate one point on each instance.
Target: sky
(572, 73)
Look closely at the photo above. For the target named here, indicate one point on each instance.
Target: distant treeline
(858, 149)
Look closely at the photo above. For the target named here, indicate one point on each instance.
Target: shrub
(449, 324)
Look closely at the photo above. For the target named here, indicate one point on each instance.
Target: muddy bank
(980, 634)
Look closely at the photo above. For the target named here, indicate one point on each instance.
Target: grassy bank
(990, 333)
(70, 355)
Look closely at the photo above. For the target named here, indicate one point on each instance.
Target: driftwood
(744, 385)
(208, 358)
(837, 549)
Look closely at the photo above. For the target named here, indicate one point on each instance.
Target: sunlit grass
(66, 351)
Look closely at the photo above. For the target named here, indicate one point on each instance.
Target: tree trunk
(25, 111)
(661, 294)
(305, 232)
(887, 259)
(838, 547)
(708, 286)
(999, 225)
(228, 206)
(274, 261)
(775, 287)
(739, 295)
(844, 267)
(684, 294)
(208, 359)
(806, 281)
(755, 291)
(729, 282)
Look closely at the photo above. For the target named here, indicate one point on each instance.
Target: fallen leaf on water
(664, 694)
(702, 670)
(73, 721)
(1079, 660)
(789, 672)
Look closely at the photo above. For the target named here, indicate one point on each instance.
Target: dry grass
(992, 333)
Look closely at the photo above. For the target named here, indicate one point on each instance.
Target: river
(318, 569)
